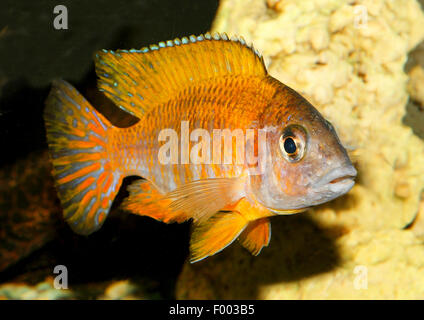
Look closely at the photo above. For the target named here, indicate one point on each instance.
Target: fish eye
(293, 143)
(289, 145)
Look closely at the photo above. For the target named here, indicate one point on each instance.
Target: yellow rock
(42, 291)
(347, 58)
(416, 84)
(119, 290)
(307, 261)
(418, 224)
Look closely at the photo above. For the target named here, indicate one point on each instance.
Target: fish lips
(336, 182)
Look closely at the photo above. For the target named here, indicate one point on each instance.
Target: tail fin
(77, 139)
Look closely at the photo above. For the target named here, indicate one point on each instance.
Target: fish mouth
(287, 211)
(339, 180)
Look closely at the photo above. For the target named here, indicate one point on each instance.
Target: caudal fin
(77, 138)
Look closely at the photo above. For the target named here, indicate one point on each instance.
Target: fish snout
(337, 181)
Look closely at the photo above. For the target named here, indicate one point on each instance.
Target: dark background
(32, 53)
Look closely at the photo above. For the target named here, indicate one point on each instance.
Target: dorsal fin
(138, 80)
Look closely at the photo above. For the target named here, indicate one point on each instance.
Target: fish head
(305, 163)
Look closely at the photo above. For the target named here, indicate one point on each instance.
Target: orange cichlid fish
(190, 95)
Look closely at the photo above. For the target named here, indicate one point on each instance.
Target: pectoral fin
(201, 199)
(215, 234)
(256, 235)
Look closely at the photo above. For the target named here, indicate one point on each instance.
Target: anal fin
(256, 235)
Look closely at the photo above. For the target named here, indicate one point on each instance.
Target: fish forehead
(296, 110)
(288, 106)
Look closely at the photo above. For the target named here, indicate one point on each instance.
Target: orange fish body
(204, 105)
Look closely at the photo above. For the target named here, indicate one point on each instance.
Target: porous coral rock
(347, 58)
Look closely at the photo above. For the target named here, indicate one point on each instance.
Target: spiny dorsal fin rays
(139, 80)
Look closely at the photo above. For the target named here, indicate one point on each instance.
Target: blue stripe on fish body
(71, 169)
